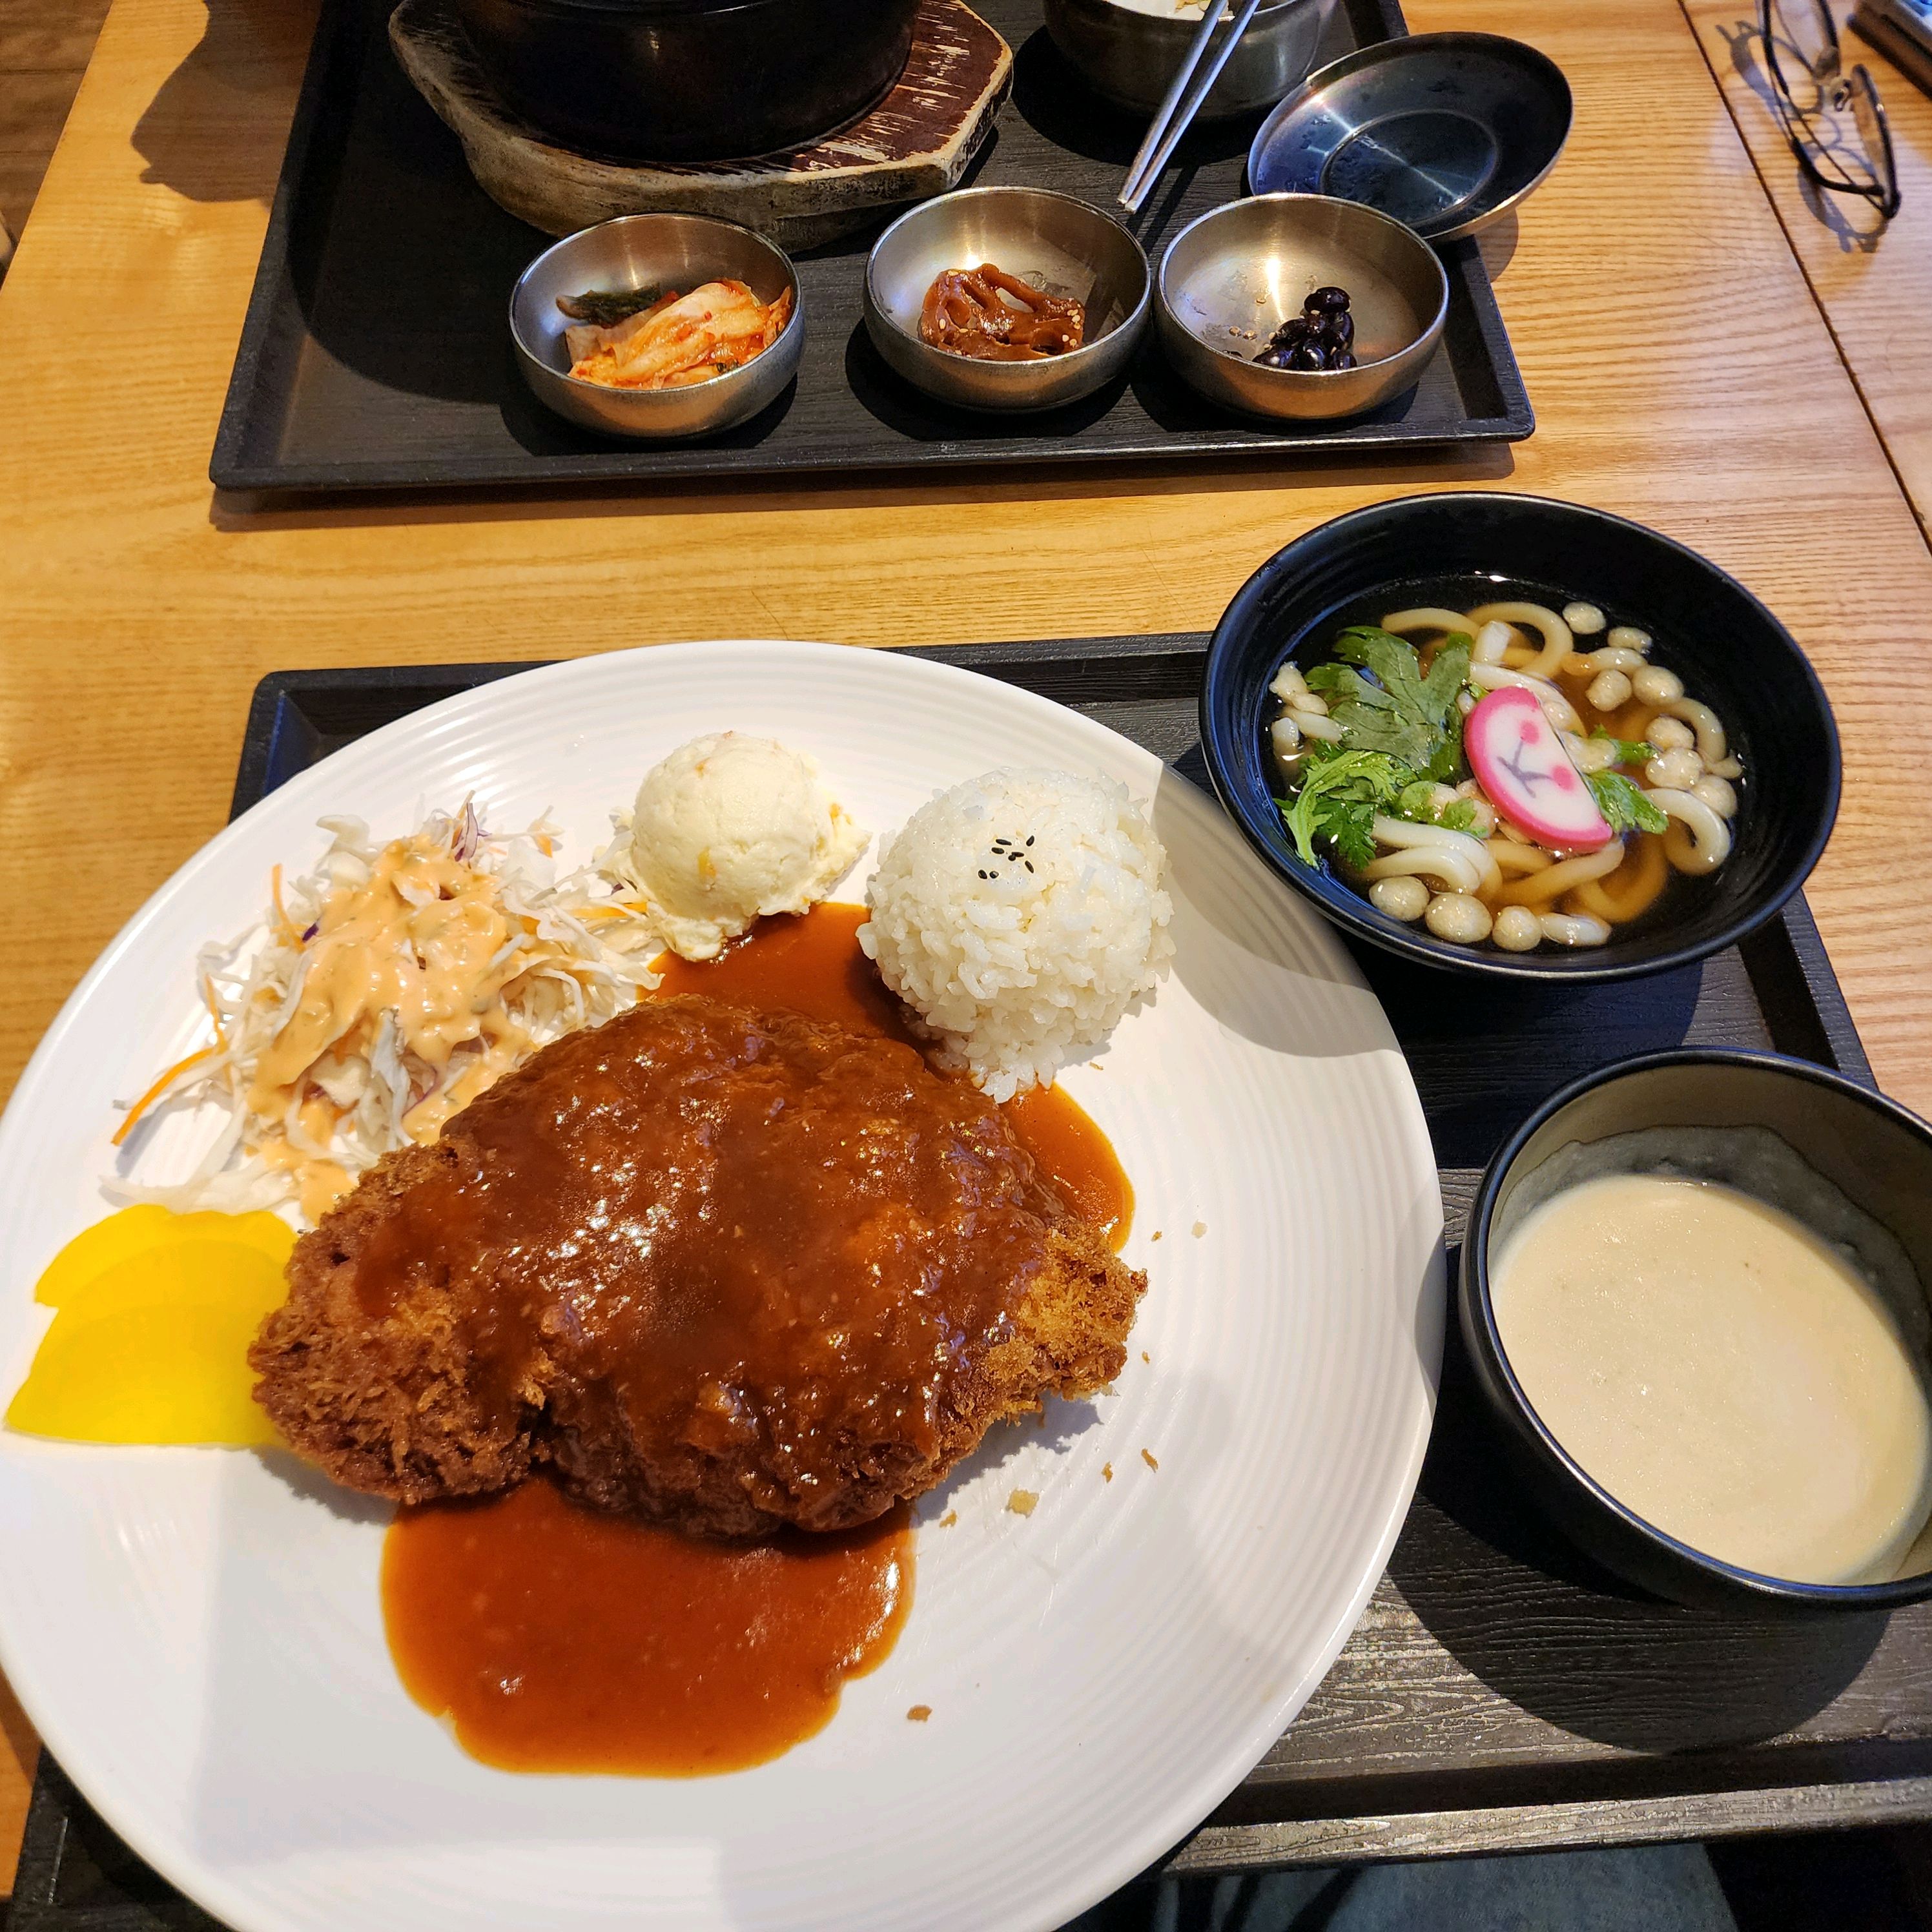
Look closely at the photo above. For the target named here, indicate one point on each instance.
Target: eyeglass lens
(1819, 98)
(1803, 39)
(1872, 134)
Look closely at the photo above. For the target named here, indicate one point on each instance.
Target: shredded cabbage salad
(379, 995)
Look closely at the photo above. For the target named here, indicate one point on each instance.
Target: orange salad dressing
(426, 938)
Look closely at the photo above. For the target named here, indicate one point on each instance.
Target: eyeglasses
(1834, 120)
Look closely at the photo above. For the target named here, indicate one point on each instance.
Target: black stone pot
(690, 80)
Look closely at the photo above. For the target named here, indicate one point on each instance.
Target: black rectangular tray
(1500, 1693)
(377, 352)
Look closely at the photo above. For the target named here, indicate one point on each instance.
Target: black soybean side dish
(1321, 336)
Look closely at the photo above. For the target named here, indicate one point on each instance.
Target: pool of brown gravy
(553, 1638)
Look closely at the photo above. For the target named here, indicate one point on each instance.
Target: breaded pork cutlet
(727, 1269)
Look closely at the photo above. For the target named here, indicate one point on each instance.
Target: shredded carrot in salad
(285, 929)
(139, 1108)
(214, 1006)
(380, 994)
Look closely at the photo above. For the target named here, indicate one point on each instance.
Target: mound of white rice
(1020, 915)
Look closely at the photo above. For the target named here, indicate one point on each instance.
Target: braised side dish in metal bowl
(986, 312)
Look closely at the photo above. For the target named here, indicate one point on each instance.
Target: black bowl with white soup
(1693, 1295)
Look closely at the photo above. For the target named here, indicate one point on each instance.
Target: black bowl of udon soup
(1693, 1291)
(1689, 769)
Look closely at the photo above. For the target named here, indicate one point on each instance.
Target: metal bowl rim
(1017, 191)
(1428, 330)
(1892, 1591)
(794, 321)
(1380, 52)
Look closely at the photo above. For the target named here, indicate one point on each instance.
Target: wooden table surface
(1871, 278)
(44, 47)
(1680, 368)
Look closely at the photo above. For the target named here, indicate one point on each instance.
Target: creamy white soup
(1723, 1369)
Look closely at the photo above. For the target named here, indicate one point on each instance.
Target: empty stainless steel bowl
(638, 251)
(1131, 58)
(1059, 244)
(1447, 132)
(1229, 280)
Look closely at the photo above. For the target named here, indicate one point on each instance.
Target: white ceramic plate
(198, 1638)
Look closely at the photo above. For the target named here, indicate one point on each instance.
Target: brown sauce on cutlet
(707, 1228)
(812, 963)
(809, 961)
(1077, 1157)
(554, 1638)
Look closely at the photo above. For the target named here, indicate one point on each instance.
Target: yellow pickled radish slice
(154, 1313)
(136, 1230)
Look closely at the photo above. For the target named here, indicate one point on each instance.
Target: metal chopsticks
(1175, 115)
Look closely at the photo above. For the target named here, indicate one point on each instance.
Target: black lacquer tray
(377, 352)
(1500, 1693)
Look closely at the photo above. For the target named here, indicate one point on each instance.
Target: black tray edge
(702, 465)
(330, 53)
(1591, 1824)
(276, 739)
(327, 54)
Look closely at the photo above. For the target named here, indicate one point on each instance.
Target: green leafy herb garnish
(1629, 752)
(1624, 808)
(1397, 710)
(1417, 803)
(1340, 792)
(607, 308)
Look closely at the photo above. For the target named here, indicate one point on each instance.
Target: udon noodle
(1657, 761)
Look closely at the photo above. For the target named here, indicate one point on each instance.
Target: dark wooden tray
(377, 354)
(1500, 1693)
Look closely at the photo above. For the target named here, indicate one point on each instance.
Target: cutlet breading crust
(726, 1269)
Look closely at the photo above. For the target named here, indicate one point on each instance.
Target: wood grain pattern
(19, 1750)
(1732, 439)
(140, 610)
(44, 45)
(43, 48)
(1473, 1831)
(918, 142)
(1872, 279)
